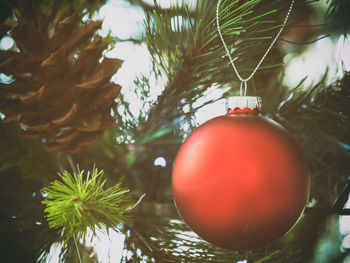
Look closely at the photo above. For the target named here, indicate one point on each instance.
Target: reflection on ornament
(240, 180)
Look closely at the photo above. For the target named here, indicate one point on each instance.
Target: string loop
(243, 83)
(244, 80)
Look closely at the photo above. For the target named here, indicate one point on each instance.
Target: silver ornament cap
(241, 103)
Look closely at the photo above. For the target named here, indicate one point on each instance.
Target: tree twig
(338, 206)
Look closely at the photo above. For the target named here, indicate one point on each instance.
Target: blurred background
(131, 117)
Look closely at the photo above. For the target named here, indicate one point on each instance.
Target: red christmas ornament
(240, 180)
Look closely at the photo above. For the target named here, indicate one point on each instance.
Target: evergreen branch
(320, 211)
(306, 42)
(76, 203)
(167, 239)
(191, 55)
(338, 11)
(150, 8)
(338, 206)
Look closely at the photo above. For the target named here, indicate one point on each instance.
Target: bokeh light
(159, 161)
(6, 43)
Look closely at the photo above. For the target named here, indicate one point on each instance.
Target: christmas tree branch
(321, 211)
(78, 203)
(338, 206)
(190, 54)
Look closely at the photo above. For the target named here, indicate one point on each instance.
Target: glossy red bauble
(240, 181)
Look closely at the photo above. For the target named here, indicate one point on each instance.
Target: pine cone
(61, 93)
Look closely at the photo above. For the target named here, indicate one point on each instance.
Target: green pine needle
(79, 203)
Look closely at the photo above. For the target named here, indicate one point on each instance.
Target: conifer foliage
(61, 94)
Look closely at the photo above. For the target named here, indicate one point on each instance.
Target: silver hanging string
(243, 83)
(244, 80)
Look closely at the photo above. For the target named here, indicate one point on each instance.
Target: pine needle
(77, 203)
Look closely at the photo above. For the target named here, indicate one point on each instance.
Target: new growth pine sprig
(77, 203)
